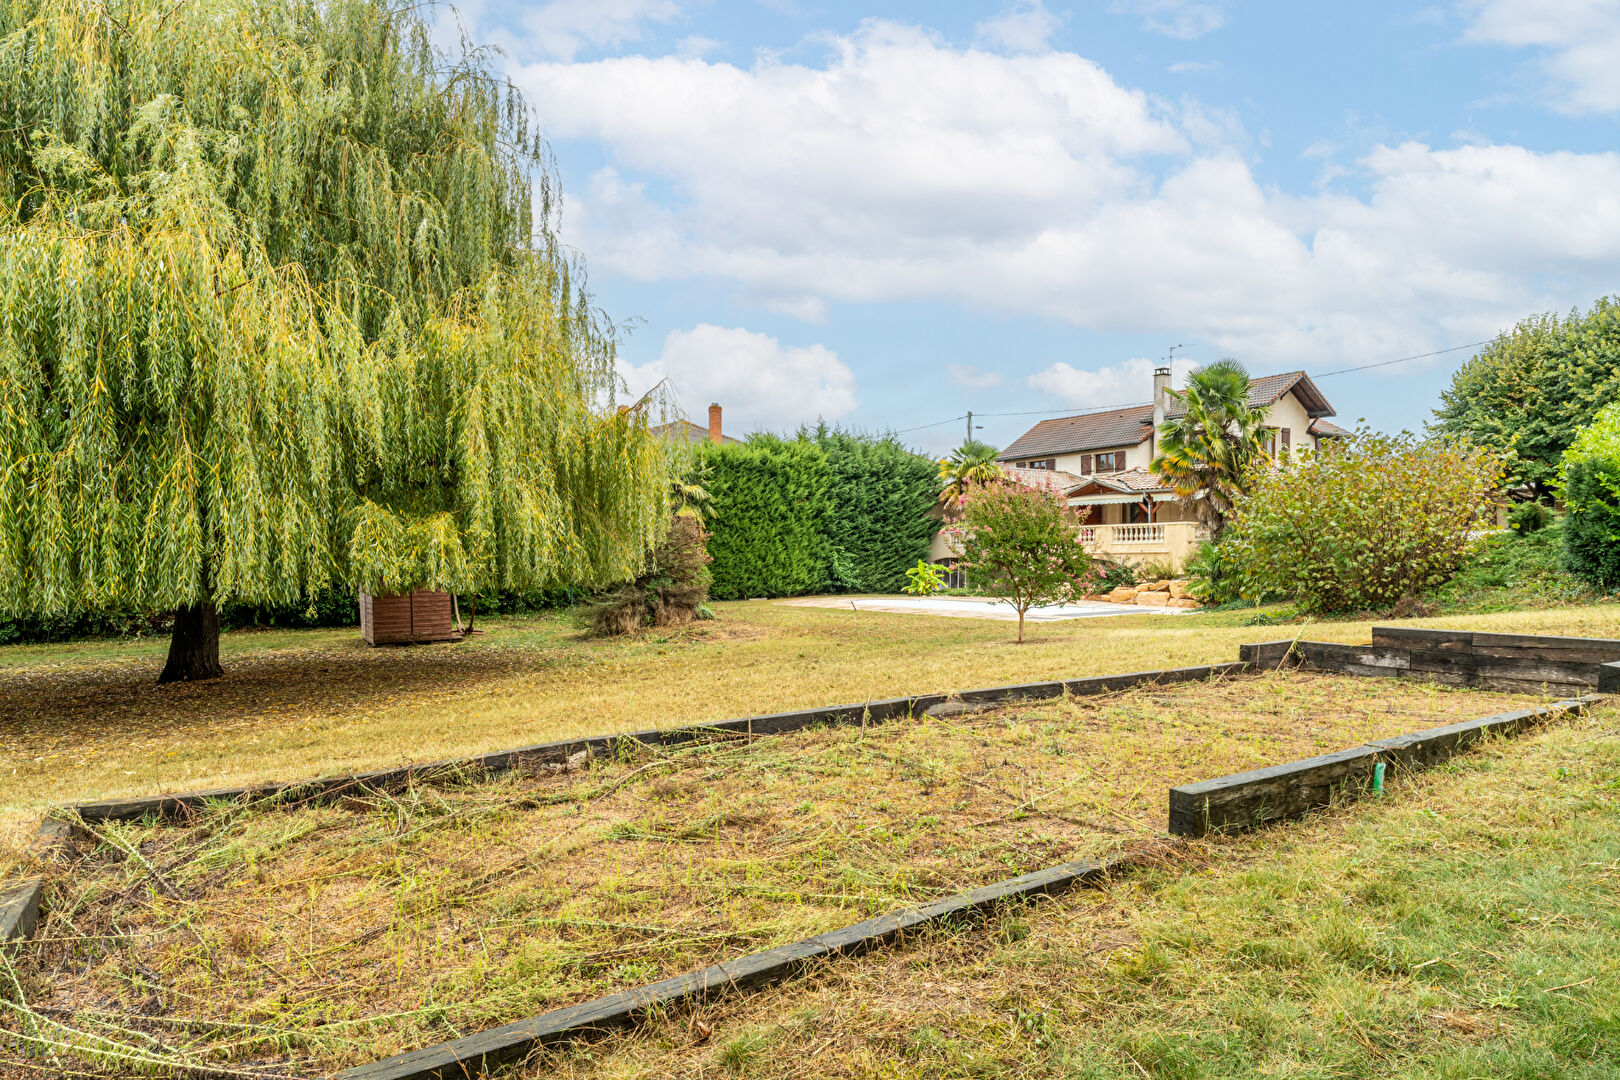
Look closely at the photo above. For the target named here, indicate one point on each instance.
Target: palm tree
(971, 463)
(1205, 455)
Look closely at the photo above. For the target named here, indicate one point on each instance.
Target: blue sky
(886, 214)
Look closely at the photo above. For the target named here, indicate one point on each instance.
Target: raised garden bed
(303, 941)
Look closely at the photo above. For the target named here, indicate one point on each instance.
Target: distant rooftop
(1132, 425)
(689, 432)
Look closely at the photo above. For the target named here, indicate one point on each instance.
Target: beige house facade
(1101, 460)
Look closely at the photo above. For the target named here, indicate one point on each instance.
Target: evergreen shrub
(1590, 486)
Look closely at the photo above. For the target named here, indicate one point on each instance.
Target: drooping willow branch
(282, 306)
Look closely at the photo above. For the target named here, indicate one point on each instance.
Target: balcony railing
(1175, 539)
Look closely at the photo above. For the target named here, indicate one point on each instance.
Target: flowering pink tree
(1022, 544)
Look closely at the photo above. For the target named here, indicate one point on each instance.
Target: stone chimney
(1161, 396)
(714, 422)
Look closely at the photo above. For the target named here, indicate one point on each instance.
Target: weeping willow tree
(282, 307)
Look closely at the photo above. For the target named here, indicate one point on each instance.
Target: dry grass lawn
(85, 720)
(1466, 928)
(304, 940)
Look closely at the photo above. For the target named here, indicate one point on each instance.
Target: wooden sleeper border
(329, 788)
(1250, 799)
(1512, 662)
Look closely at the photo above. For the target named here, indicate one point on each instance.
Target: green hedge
(827, 510)
(766, 519)
(880, 495)
(1590, 482)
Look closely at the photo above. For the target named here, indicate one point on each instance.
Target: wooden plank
(472, 1055)
(1358, 659)
(1450, 666)
(1523, 668)
(324, 789)
(1526, 646)
(1245, 800)
(1401, 637)
(19, 910)
(1267, 655)
(1421, 749)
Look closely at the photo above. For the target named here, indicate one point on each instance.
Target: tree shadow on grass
(80, 708)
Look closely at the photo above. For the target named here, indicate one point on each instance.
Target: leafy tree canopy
(1535, 387)
(1022, 544)
(280, 306)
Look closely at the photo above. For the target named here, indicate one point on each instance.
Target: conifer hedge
(827, 510)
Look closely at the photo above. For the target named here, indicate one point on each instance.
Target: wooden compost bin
(410, 618)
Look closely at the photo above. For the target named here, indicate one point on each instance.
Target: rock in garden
(1179, 590)
(1153, 599)
(1185, 602)
(1121, 595)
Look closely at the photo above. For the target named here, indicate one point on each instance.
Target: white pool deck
(973, 607)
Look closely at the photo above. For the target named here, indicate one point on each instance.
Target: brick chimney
(714, 422)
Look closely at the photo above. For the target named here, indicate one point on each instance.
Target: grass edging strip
(472, 1054)
(326, 788)
(1249, 799)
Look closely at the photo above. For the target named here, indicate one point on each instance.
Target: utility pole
(970, 425)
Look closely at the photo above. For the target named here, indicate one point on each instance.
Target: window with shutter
(1287, 437)
(1085, 465)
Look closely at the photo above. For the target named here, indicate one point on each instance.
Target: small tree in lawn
(1021, 544)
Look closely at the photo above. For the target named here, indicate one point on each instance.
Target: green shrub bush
(1113, 573)
(1529, 517)
(1362, 523)
(672, 591)
(1211, 576)
(1590, 486)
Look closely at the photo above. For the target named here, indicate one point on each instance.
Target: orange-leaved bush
(1362, 523)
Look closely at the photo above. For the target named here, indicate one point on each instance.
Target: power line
(1404, 359)
(1140, 404)
(936, 423)
(1069, 412)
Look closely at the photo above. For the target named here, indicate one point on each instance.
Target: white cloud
(971, 378)
(1024, 26)
(1128, 383)
(1174, 18)
(562, 28)
(904, 169)
(1579, 40)
(760, 383)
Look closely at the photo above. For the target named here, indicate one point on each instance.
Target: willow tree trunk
(194, 647)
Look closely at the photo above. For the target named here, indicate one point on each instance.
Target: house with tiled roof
(1132, 514)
